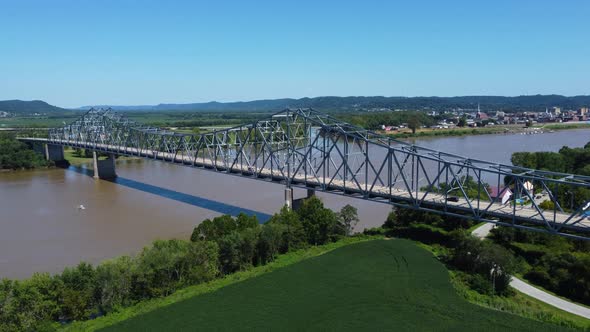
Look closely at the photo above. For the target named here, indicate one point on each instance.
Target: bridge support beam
(104, 169)
(54, 152)
(296, 203)
(289, 197)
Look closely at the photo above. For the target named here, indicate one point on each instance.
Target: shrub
(547, 205)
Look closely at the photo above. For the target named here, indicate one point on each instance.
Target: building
(503, 194)
(482, 116)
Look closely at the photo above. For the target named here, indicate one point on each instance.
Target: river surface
(42, 228)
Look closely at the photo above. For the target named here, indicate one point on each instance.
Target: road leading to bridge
(483, 231)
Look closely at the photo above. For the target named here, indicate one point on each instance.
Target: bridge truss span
(306, 148)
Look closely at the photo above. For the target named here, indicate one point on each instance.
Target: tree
(348, 217)
(294, 236)
(15, 154)
(34, 301)
(113, 283)
(487, 259)
(79, 287)
(160, 268)
(414, 123)
(320, 224)
(213, 230)
(403, 217)
(462, 122)
(201, 262)
(244, 221)
(270, 242)
(229, 253)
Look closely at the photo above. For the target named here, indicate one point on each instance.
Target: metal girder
(306, 148)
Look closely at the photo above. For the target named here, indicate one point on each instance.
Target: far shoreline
(499, 130)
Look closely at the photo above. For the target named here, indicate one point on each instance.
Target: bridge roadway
(384, 194)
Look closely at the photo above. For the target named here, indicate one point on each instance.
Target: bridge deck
(486, 211)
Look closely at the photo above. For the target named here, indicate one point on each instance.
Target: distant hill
(519, 103)
(28, 107)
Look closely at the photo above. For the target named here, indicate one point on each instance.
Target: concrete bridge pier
(54, 152)
(289, 197)
(296, 203)
(104, 169)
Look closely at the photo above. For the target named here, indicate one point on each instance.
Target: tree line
(484, 266)
(374, 120)
(217, 247)
(559, 264)
(17, 155)
(566, 160)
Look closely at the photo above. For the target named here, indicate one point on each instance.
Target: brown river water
(42, 228)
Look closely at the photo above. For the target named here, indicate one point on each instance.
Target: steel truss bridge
(308, 149)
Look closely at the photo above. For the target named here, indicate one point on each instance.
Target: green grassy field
(376, 285)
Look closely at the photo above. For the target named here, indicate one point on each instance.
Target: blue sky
(74, 53)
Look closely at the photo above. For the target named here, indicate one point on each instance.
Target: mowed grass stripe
(375, 285)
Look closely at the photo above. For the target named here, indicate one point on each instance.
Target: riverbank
(488, 130)
(75, 160)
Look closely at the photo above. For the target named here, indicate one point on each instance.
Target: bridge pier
(54, 152)
(104, 169)
(289, 197)
(296, 203)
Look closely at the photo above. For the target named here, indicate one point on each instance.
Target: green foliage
(551, 161)
(78, 294)
(16, 155)
(373, 286)
(29, 304)
(414, 122)
(556, 263)
(294, 234)
(348, 218)
(485, 261)
(270, 242)
(567, 160)
(547, 205)
(471, 255)
(320, 224)
(375, 120)
(472, 188)
(113, 284)
(186, 293)
(462, 122)
(213, 230)
(221, 246)
(518, 304)
(82, 292)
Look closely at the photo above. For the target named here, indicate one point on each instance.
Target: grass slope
(374, 285)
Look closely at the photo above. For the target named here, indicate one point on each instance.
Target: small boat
(81, 207)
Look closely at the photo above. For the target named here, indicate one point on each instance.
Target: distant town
(478, 118)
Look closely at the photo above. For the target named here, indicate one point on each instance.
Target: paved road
(576, 309)
(483, 230)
